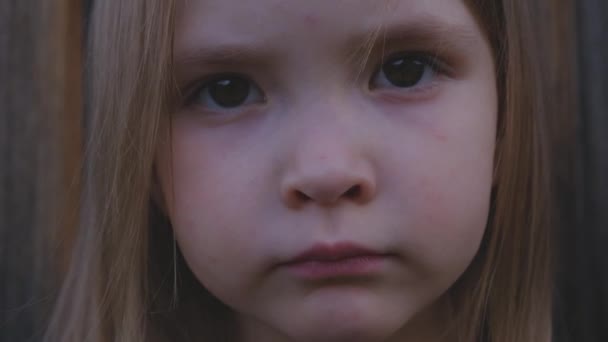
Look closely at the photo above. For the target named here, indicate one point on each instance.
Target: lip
(339, 260)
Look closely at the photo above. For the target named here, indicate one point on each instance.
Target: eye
(226, 92)
(405, 72)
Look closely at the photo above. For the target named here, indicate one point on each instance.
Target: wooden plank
(583, 292)
(40, 97)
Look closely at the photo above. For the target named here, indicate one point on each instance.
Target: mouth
(340, 260)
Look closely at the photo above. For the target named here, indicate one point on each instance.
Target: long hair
(506, 293)
(128, 281)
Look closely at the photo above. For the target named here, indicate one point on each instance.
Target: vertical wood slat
(564, 121)
(40, 107)
(592, 308)
(583, 292)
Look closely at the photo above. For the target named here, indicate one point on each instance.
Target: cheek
(442, 174)
(448, 199)
(453, 219)
(209, 222)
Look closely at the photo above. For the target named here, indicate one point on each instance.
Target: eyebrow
(425, 31)
(222, 54)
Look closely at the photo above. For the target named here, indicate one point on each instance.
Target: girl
(313, 171)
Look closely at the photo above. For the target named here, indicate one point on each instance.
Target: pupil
(404, 72)
(229, 92)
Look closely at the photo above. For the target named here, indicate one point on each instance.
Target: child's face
(287, 140)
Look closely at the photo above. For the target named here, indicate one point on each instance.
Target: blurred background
(42, 116)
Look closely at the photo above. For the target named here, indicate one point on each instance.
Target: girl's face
(323, 191)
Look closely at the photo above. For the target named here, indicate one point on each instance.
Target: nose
(327, 173)
(327, 186)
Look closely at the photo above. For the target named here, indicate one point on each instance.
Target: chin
(349, 327)
(341, 315)
(356, 334)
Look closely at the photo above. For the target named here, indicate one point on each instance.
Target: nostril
(353, 192)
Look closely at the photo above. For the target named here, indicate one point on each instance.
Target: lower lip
(359, 266)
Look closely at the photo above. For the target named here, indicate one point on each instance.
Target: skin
(249, 188)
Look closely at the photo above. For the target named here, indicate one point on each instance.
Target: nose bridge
(326, 132)
(327, 159)
(328, 112)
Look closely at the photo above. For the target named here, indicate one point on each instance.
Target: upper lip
(333, 252)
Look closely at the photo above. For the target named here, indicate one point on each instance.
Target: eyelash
(430, 62)
(436, 66)
(193, 94)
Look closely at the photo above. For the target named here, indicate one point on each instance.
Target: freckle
(440, 136)
(310, 19)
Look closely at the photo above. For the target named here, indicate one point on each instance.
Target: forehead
(295, 21)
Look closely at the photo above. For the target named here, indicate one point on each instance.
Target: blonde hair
(120, 284)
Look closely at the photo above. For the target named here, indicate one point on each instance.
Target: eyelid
(424, 88)
(197, 84)
(437, 62)
(189, 91)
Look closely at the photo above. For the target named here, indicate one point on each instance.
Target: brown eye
(404, 72)
(228, 92)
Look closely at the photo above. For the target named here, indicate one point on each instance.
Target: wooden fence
(40, 108)
(582, 297)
